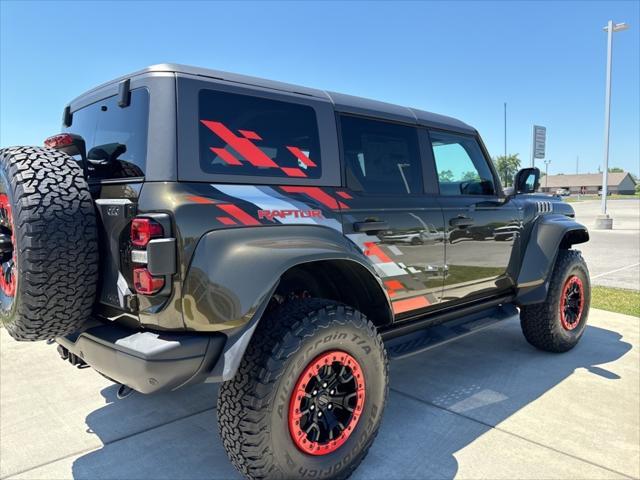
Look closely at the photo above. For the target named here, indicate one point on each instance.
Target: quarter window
(246, 135)
(381, 157)
(461, 165)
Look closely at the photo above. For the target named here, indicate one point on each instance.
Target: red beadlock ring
(8, 286)
(571, 303)
(307, 382)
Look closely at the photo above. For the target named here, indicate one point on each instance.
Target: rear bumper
(148, 362)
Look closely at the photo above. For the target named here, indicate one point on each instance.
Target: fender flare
(549, 234)
(234, 273)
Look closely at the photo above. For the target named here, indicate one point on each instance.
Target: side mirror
(526, 180)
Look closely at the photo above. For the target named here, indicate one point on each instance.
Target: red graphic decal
(201, 200)
(250, 135)
(345, 195)
(300, 155)
(239, 214)
(293, 172)
(273, 214)
(226, 155)
(226, 220)
(374, 250)
(317, 194)
(393, 286)
(406, 305)
(242, 145)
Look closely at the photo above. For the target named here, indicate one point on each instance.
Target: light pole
(505, 129)
(546, 174)
(603, 220)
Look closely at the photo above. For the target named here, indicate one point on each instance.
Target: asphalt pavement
(613, 256)
(484, 406)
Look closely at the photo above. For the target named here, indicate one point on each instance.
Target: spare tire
(48, 244)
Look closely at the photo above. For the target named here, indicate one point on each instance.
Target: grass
(617, 300)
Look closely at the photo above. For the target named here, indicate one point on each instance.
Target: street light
(603, 220)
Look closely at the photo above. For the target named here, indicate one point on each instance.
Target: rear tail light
(143, 230)
(145, 283)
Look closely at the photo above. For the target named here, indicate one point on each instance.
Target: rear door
(481, 227)
(388, 214)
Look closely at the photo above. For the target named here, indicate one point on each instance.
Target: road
(484, 406)
(613, 256)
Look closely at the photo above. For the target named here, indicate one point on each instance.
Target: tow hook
(72, 358)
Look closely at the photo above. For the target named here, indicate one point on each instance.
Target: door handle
(370, 226)
(461, 221)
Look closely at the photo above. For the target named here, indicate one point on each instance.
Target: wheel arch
(550, 234)
(235, 273)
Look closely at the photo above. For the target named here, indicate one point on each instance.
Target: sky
(463, 59)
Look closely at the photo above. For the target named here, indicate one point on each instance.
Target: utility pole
(577, 164)
(604, 221)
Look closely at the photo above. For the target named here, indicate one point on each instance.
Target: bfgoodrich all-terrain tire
(48, 244)
(308, 397)
(557, 324)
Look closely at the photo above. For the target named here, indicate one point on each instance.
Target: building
(589, 183)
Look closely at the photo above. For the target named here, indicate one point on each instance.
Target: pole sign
(539, 141)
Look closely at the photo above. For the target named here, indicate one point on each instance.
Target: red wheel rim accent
(572, 303)
(347, 383)
(8, 275)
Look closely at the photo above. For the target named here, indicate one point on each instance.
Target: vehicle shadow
(488, 376)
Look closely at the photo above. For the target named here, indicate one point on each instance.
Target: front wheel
(557, 324)
(308, 397)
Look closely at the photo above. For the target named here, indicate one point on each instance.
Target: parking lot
(613, 256)
(485, 406)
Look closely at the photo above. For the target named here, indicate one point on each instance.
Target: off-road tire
(253, 407)
(55, 240)
(541, 323)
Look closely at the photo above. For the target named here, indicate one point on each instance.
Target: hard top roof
(342, 102)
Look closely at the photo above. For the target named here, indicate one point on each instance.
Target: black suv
(191, 225)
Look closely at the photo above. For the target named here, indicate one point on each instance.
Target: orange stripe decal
(300, 155)
(226, 156)
(408, 304)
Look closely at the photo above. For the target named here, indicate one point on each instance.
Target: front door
(481, 227)
(389, 216)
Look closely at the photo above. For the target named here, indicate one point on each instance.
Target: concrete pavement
(613, 256)
(485, 406)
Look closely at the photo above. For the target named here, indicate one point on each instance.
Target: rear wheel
(557, 324)
(48, 244)
(308, 396)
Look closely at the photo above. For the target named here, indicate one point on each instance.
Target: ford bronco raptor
(191, 225)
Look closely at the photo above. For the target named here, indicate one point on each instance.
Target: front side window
(115, 137)
(381, 157)
(246, 135)
(461, 165)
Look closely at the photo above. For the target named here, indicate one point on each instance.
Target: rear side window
(381, 157)
(246, 135)
(462, 167)
(115, 137)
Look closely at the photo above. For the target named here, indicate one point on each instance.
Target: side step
(430, 337)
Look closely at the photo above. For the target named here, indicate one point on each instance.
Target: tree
(507, 167)
(616, 170)
(471, 176)
(445, 176)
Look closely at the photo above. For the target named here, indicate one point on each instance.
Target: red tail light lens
(143, 230)
(57, 141)
(145, 283)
